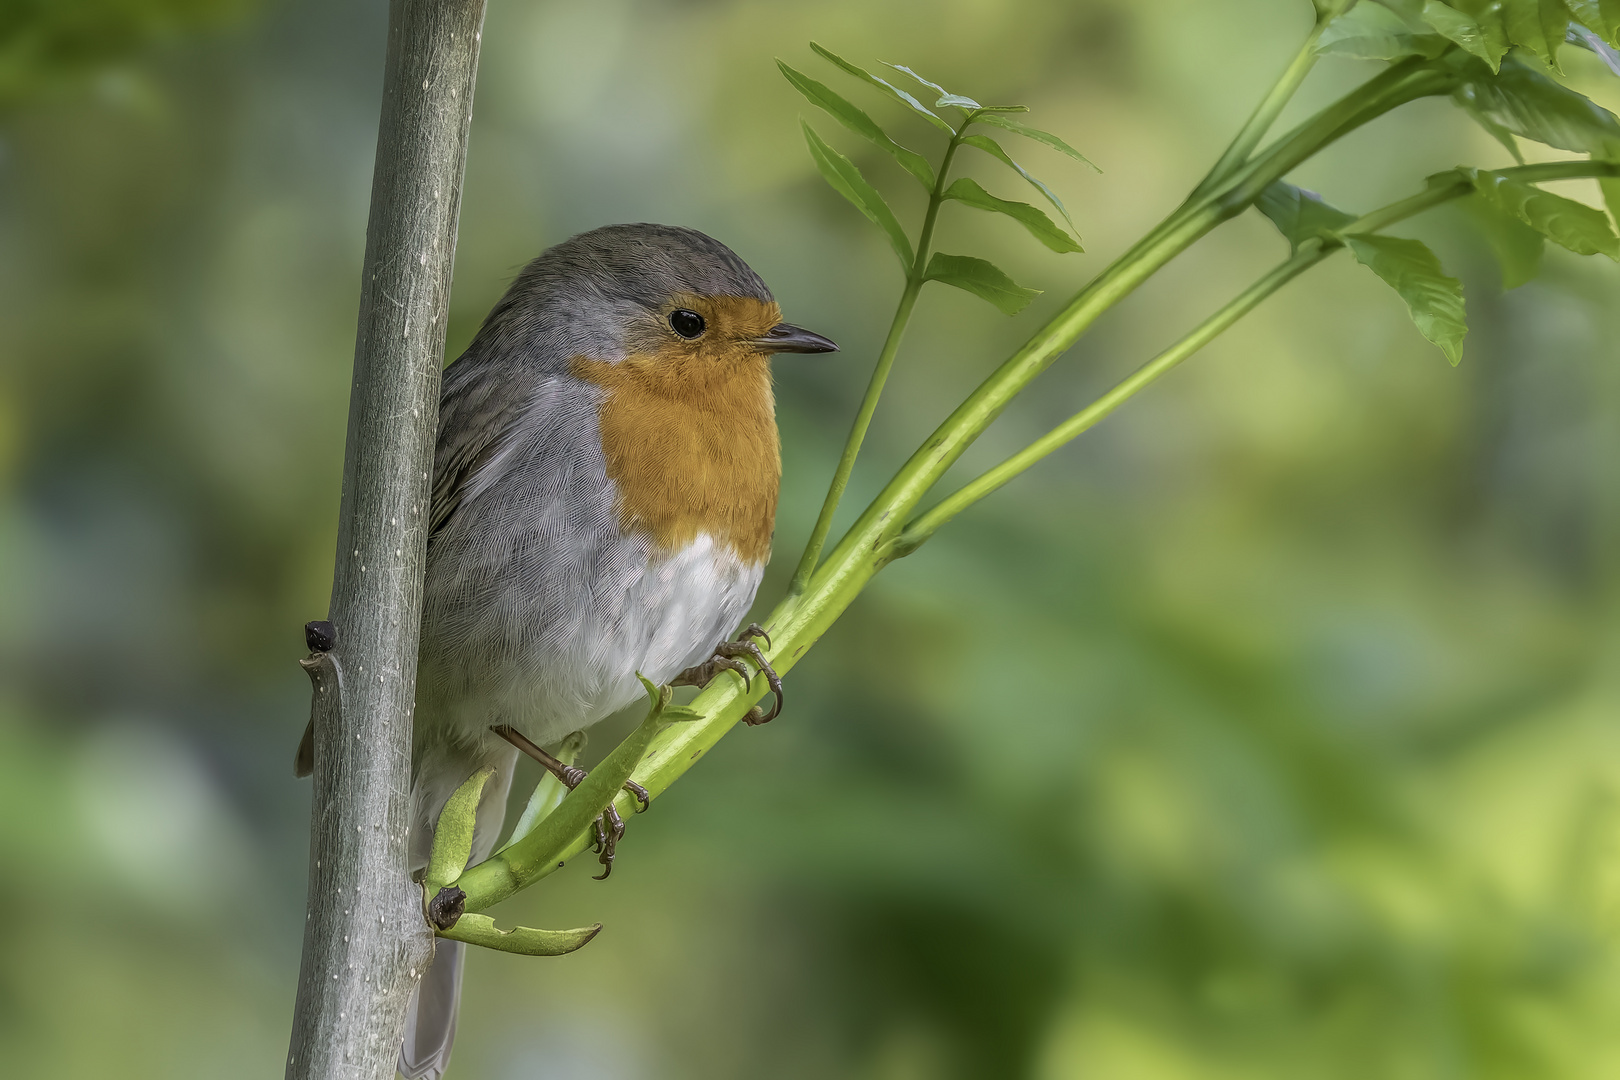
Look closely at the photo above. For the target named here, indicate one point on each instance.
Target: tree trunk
(365, 941)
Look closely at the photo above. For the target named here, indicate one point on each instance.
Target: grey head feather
(580, 297)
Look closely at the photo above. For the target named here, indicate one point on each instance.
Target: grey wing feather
(478, 411)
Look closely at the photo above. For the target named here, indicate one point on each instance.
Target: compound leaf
(858, 122)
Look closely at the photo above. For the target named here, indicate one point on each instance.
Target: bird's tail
(430, 1025)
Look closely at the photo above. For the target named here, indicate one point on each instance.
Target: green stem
(880, 376)
(1309, 254)
(1266, 113)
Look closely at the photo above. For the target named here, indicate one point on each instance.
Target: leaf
(993, 148)
(1374, 32)
(1039, 225)
(858, 122)
(453, 833)
(847, 180)
(1574, 225)
(1038, 135)
(1478, 28)
(1610, 187)
(887, 87)
(1602, 17)
(1434, 300)
(477, 929)
(946, 98)
(983, 279)
(1534, 106)
(1300, 215)
(1537, 25)
(1517, 246)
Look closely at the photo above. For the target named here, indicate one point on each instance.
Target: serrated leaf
(1374, 32)
(1531, 105)
(1569, 224)
(993, 148)
(1478, 31)
(847, 180)
(1299, 214)
(1039, 225)
(1537, 25)
(1517, 246)
(1434, 300)
(887, 87)
(857, 121)
(983, 279)
(1044, 137)
(946, 98)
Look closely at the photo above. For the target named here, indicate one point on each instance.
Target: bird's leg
(608, 828)
(725, 658)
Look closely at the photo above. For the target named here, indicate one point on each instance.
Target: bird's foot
(728, 656)
(608, 827)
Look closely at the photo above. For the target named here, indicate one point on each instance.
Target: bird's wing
(478, 413)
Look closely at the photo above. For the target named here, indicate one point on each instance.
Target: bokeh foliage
(1268, 731)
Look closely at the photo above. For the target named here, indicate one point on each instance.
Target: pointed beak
(785, 337)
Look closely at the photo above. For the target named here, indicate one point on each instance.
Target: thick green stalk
(880, 376)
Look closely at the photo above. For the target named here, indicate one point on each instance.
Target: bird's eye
(688, 324)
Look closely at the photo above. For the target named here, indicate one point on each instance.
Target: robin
(604, 495)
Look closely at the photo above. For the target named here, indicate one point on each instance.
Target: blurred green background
(1268, 731)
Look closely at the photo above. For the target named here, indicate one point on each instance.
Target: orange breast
(691, 445)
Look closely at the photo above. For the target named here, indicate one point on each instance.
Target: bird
(604, 495)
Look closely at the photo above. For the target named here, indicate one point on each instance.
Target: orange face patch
(689, 427)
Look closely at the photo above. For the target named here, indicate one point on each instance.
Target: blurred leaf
(1038, 135)
(1040, 226)
(1611, 196)
(887, 87)
(1331, 9)
(1003, 109)
(847, 180)
(1300, 215)
(1434, 300)
(1573, 225)
(1531, 105)
(983, 279)
(945, 96)
(1602, 17)
(1374, 32)
(993, 148)
(858, 122)
(1517, 247)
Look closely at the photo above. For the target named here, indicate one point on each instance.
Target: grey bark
(366, 943)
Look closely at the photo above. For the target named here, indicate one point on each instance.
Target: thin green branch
(880, 376)
(1266, 113)
(1309, 254)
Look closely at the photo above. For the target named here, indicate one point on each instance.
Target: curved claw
(640, 794)
(736, 667)
(753, 629)
(752, 651)
(611, 836)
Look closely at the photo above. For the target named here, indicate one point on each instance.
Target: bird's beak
(785, 337)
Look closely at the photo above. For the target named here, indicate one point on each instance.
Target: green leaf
(858, 122)
(946, 98)
(1611, 196)
(1602, 17)
(1038, 135)
(1039, 225)
(983, 279)
(1300, 215)
(1374, 32)
(1478, 28)
(1434, 300)
(1537, 25)
(1517, 246)
(453, 833)
(477, 929)
(993, 148)
(1580, 228)
(887, 87)
(1534, 106)
(847, 180)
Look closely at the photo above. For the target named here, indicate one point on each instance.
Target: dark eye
(688, 324)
